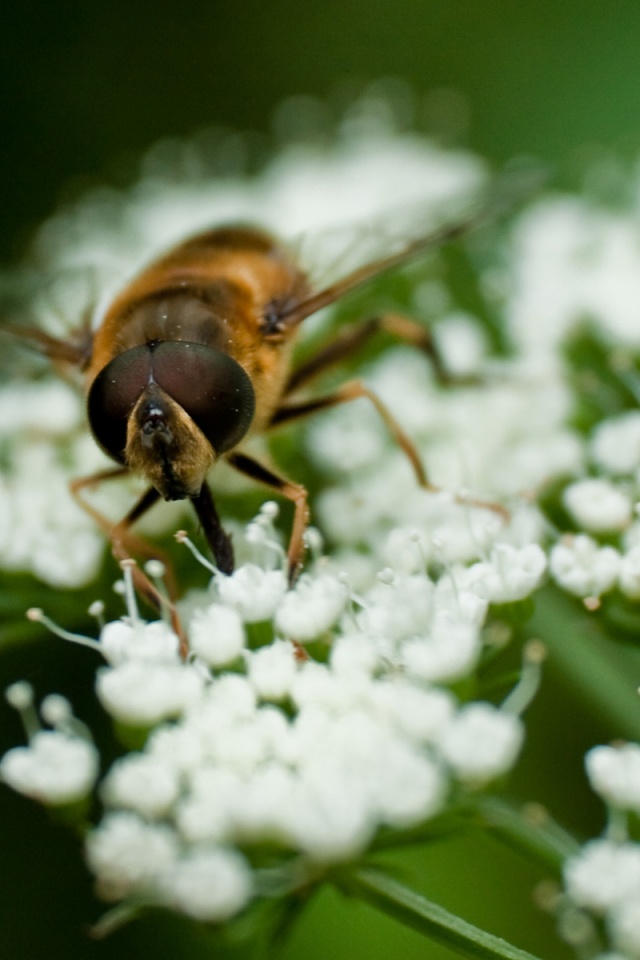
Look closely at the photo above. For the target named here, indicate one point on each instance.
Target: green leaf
(429, 918)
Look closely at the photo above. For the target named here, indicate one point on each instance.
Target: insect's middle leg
(345, 394)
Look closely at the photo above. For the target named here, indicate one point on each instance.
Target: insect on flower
(195, 354)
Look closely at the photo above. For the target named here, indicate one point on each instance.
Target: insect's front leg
(124, 543)
(287, 488)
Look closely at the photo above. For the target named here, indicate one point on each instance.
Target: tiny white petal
(146, 642)
(481, 743)
(128, 856)
(209, 884)
(272, 669)
(312, 607)
(55, 768)
(580, 566)
(216, 634)
(624, 925)
(142, 783)
(603, 874)
(142, 694)
(598, 505)
(614, 773)
(254, 592)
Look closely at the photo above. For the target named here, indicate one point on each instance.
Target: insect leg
(292, 491)
(218, 540)
(352, 391)
(75, 350)
(124, 543)
(348, 342)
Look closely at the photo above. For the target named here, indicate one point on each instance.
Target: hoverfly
(195, 354)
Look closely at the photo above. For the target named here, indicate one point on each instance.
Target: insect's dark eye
(209, 385)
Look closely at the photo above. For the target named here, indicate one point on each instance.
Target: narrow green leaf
(429, 918)
(601, 673)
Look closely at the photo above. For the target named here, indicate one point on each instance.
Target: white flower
(55, 768)
(614, 774)
(208, 884)
(624, 925)
(449, 650)
(272, 669)
(145, 642)
(511, 573)
(128, 856)
(142, 694)
(143, 783)
(216, 634)
(603, 874)
(580, 566)
(312, 607)
(615, 443)
(598, 505)
(480, 742)
(629, 573)
(255, 593)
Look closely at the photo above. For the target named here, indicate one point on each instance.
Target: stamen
(57, 712)
(38, 616)
(156, 571)
(97, 610)
(525, 690)
(182, 537)
(129, 592)
(20, 696)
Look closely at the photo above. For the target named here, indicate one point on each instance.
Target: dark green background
(84, 88)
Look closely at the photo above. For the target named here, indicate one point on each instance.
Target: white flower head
(629, 573)
(580, 566)
(216, 634)
(122, 641)
(146, 784)
(597, 505)
(614, 774)
(208, 884)
(312, 607)
(624, 925)
(142, 694)
(603, 875)
(510, 574)
(55, 768)
(255, 593)
(128, 855)
(272, 669)
(481, 742)
(615, 444)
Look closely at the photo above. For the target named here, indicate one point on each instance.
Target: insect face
(168, 409)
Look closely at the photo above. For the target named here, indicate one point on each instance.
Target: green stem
(531, 831)
(599, 672)
(429, 918)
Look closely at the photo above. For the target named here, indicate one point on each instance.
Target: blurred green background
(85, 87)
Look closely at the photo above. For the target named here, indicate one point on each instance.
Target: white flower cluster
(335, 722)
(604, 877)
(604, 506)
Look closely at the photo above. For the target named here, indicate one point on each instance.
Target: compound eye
(113, 395)
(210, 386)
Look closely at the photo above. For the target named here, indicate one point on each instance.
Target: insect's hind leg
(347, 343)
